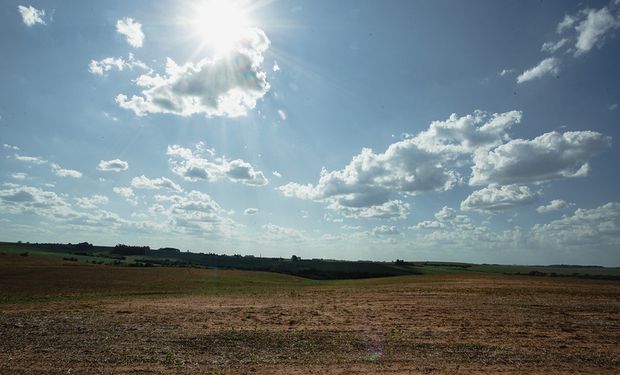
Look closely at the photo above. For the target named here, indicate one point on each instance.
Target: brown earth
(62, 317)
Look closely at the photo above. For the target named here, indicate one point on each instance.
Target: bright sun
(220, 23)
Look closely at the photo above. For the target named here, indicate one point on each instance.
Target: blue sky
(477, 131)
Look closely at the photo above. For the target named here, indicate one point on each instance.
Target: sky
(478, 131)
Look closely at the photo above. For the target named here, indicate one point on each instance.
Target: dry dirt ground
(52, 321)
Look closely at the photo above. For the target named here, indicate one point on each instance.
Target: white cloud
(63, 172)
(282, 115)
(105, 65)
(30, 159)
(31, 15)
(10, 147)
(143, 182)
(385, 230)
(126, 192)
(19, 175)
(277, 174)
(276, 67)
(613, 107)
(115, 165)
(567, 22)
(593, 28)
(428, 224)
(92, 201)
(422, 163)
(496, 198)
(276, 232)
(132, 30)
(548, 66)
(206, 165)
(250, 211)
(506, 72)
(554, 205)
(228, 86)
(593, 227)
(32, 200)
(549, 156)
(553, 47)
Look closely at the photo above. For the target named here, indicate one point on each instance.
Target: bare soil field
(63, 317)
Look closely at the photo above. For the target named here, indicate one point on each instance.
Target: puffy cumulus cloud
(132, 30)
(19, 175)
(549, 156)
(554, 205)
(92, 201)
(63, 172)
(10, 147)
(31, 15)
(277, 174)
(393, 209)
(593, 28)
(143, 182)
(127, 193)
(548, 66)
(461, 135)
(436, 158)
(383, 230)
(250, 211)
(598, 226)
(115, 165)
(228, 86)
(32, 200)
(428, 224)
(30, 159)
(276, 232)
(421, 163)
(496, 198)
(99, 67)
(204, 164)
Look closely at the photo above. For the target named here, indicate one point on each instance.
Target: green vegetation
(318, 269)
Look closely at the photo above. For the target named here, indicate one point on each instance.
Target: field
(70, 317)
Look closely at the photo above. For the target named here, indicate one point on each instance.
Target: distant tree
(295, 258)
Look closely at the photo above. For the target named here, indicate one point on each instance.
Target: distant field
(318, 269)
(71, 317)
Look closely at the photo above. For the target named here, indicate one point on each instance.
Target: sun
(220, 23)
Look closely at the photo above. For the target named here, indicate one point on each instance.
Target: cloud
(62, 172)
(428, 224)
(19, 176)
(277, 174)
(10, 147)
(497, 198)
(421, 163)
(132, 30)
(126, 192)
(592, 227)
(549, 156)
(276, 232)
(115, 165)
(553, 47)
(92, 201)
(548, 66)
(282, 115)
(384, 230)
(250, 211)
(228, 86)
(567, 22)
(506, 72)
(31, 16)
(206, 165)
(118, 63)
(592, 29)
(143, 182)
(32, 200)
(554, 205)
(30, 159)
(613, 107)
